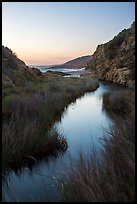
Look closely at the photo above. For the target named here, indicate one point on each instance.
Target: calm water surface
(83, 123)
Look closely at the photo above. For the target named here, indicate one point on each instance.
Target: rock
(115, 60)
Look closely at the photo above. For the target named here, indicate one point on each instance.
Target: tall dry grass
(27, 132)
(110, 178)
(119, 102)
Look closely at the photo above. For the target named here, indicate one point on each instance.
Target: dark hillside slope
(115, 60)
(76, 63)
(15, 71)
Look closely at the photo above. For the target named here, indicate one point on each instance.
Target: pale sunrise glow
(55, 32)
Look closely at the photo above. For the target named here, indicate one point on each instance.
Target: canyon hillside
(115, 60)
(76, 63)
(15, 71)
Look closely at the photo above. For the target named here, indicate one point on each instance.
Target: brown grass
(110, 178)
(119, 102)
(28, 118)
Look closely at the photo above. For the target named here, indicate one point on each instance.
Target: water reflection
(84, 123)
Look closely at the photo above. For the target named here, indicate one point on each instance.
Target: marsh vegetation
(110, 178)
(29, 113)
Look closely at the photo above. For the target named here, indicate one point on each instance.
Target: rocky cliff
(115, 60)
(15, 71)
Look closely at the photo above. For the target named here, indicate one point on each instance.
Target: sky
(43, 33)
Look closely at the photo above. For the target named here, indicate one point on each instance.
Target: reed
(110, 178)
(28, 119)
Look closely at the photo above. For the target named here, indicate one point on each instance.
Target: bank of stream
(84, 123)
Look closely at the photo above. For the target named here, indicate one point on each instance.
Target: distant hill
(115, 60)
(76, 63)
(14, 70)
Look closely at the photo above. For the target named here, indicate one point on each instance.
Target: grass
(110, 178)
(25, 141)
(5, 103)
(28, 118)
(119, 102)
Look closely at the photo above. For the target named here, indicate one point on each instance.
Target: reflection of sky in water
(82, 123)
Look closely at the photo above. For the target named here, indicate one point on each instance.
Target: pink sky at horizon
(42, 33)
(45, 59)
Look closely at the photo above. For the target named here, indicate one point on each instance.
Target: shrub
(112, 46)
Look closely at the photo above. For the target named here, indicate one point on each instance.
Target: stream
(84, 122)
